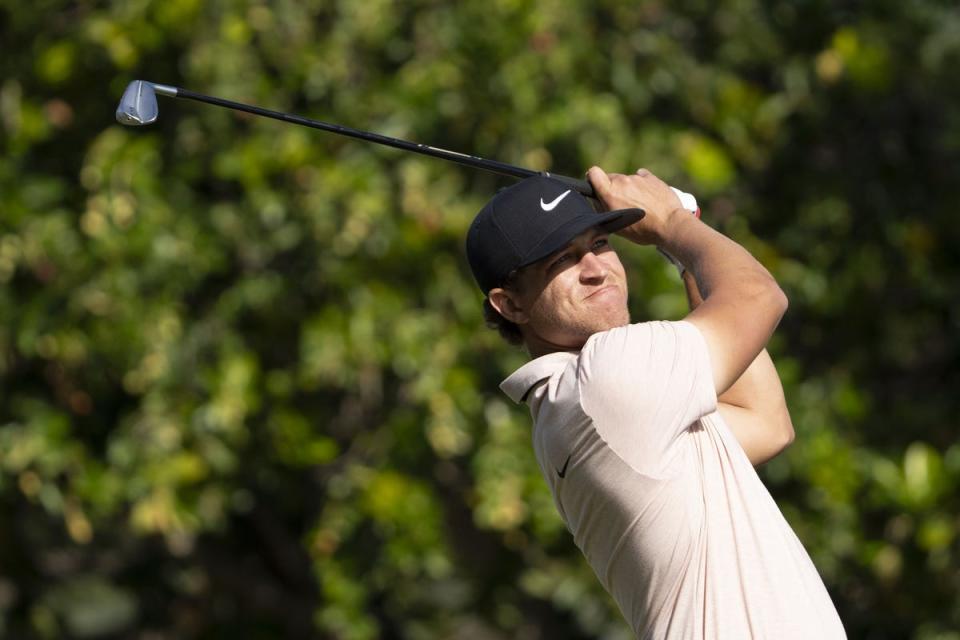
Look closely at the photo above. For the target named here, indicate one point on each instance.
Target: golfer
(648, 433)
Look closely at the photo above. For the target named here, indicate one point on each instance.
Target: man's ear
(507, 304)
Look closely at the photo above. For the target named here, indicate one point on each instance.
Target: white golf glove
(688, 202)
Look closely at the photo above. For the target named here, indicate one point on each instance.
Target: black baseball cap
(527, 222)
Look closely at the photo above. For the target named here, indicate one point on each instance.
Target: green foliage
(246, 387)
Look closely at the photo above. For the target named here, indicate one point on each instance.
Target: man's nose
(592, 268)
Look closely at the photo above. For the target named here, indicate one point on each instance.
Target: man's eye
(561, 260)
(600, 242)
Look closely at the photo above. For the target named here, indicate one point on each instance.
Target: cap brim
(609, 221)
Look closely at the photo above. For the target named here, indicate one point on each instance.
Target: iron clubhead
(138, 106)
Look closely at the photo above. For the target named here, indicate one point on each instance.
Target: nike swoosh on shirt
(563, 472)
(550, 206)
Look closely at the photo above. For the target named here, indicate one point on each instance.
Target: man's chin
(572, 335)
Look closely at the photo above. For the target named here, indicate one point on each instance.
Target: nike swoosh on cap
(550, 206)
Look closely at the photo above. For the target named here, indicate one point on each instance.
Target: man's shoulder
(624, 355)
(623, 340)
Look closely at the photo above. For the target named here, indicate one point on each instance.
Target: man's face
(565, 298)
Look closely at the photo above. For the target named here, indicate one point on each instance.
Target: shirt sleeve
(644, 385)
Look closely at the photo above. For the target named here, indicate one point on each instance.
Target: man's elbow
(776, 298)
(782, 304)
(782, 300)
(764, 297)
(776, 443)
(786, 434)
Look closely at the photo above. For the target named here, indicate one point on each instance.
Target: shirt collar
(521, 381)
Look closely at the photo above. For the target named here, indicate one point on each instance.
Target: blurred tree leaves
(246, 386)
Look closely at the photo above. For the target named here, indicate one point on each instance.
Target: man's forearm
(742, 303)
(717, 261)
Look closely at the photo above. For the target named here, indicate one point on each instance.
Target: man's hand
(642, 190)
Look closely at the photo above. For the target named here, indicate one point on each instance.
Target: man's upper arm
(737, 328)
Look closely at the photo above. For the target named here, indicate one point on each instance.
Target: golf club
(138, 107)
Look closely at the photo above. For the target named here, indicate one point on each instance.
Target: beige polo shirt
(659, 495)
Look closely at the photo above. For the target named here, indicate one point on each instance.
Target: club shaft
(582, 186)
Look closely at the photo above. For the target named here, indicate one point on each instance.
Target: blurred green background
(245, 387)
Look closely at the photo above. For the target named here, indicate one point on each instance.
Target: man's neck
(537, 347)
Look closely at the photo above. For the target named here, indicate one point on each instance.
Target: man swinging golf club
(644, 432)
(647, 433)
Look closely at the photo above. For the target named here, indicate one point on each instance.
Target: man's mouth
(601, 290)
